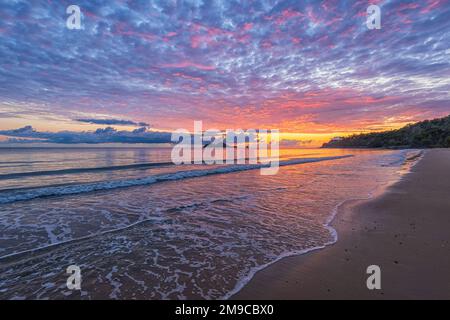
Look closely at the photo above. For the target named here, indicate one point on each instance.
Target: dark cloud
(103, 135)
(111, 122)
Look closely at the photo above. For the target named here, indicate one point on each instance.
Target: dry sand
(405, 231)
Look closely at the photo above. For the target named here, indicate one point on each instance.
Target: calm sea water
(141, 228)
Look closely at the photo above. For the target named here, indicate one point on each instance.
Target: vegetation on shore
(426, 134)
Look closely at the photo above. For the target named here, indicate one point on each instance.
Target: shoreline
(307, 275)
(379, 190)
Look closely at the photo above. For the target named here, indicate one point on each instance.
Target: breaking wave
(41, 192)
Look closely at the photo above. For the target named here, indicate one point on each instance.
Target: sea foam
(48, 191)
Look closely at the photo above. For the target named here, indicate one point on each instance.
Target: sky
(311, 69)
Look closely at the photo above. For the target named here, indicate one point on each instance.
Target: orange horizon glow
(315, 138)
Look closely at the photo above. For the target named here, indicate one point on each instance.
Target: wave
(41, 192)
(16, 175)
(82, 170)
(144, 219)
(404, 157)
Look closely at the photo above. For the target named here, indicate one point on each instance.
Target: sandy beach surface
(405, 231)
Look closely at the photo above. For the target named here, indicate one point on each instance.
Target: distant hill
(426, 134)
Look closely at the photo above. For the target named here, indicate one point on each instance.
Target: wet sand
(405, 231)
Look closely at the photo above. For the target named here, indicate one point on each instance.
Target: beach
(166, 231)
(404, 230)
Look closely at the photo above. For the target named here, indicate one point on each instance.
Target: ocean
(141, 228)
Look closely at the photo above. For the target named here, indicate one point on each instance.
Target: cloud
(102, 135)
(27, 130)
(292, 143)
(229, 63)
(111, 122)
(188, 64)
